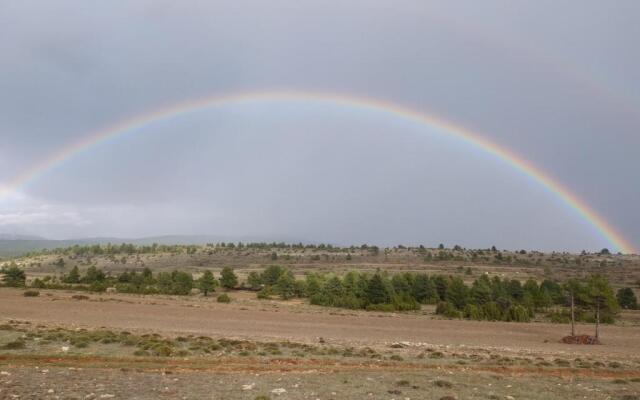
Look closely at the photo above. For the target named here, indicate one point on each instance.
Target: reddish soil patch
(580, 339)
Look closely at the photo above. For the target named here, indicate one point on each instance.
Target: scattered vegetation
(13, 276)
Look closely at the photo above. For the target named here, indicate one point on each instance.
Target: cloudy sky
(557, 83)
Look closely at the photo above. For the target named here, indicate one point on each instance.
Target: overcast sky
(557, 82)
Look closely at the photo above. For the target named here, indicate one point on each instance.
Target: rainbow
(138, 122)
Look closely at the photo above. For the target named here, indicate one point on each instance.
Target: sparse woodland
(460, 293)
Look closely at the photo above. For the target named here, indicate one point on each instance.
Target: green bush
(38, 284)
(471, 311)
(264, 294)
(518, 313)
(491, 311)
(448, 310)
(162, 350)
(224, 298)
(31, 293)
(17, 344)
(380, 307)
(443, 384)
(13, 276)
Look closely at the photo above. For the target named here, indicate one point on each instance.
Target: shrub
(31, 293)
(443, 384)
(38, 284)
(491, 311)
(471, 311)
(270, 276)
(162, 350)
(224, 298)
(264, 294)
(254, 281)
(518, 314)
(380, 307)
(81, 344)
(405, 302)
(15, 345)
(448, 310)
(286, 285)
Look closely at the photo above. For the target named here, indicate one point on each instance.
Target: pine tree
(602, 299)
(286, 286)
(627, 299)
(207, 283)
(13, 276)
(376, 290)
(228, 278)
(73, 276)
(457, 293)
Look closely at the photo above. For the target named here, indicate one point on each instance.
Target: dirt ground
(362, 355)
(248, 318)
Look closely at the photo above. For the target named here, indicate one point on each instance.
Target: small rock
(65, 348)
(5, 373)
(107, 396)
(279, 391)
(249, 386)
(50, 391)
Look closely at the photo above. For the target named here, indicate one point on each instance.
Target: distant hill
(16, 236)
(16, 245)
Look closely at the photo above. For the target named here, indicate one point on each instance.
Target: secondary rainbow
(138, 122)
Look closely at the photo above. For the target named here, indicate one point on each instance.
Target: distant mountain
(17, 236)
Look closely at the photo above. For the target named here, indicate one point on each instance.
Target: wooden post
(597, 319)
(573, 317)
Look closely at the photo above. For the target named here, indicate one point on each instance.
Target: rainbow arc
(139, 122)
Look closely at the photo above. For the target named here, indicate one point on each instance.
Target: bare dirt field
(296, 321)
(68, 344)
(84, 349)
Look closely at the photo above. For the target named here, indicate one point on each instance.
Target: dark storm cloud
(556, 82)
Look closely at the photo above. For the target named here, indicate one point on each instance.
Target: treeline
(114, 249)
(486, 298)
(131, 249)
(95, 280)
(143, 282)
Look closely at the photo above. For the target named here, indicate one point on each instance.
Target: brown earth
(253, 319)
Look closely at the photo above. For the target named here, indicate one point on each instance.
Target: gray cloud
(557, 83)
